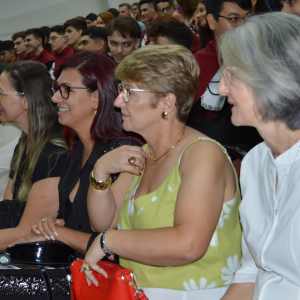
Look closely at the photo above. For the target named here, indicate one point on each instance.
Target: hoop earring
(164, 115)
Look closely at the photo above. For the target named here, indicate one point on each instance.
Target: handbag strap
(127, 277)
(47, 282)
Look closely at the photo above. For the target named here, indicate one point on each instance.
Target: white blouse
(270, 218)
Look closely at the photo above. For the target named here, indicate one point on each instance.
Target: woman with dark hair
(25, 101)
(204, 33)
(84, 94)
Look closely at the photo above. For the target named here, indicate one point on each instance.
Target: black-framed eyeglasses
(164, 9)
(233, 20)
(127, 92)
(65, 89)
(11, 93)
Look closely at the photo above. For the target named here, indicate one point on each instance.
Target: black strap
(47, 282)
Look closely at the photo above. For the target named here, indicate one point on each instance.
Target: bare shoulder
(200, 151)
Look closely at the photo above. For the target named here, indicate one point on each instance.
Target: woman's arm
(42, 201)
(8, 194)
(104, 205)
(239, 291)
(199, 203)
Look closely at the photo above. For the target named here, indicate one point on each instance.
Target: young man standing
(94, 39)
(73, 30)
(211, 113)
(124, 36)
(20, 47)
(7, 52)
(125, 10)
(34, 40)
(59, 46)
(149, 15)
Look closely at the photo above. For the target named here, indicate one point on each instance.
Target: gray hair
(265, 54)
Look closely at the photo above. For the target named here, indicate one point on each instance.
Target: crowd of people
(113, 138)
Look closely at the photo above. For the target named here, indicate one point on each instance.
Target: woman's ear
(169, 102)
(95, 99)
(25, 103)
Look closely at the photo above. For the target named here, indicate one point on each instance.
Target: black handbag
(34, 280)
(11, 212)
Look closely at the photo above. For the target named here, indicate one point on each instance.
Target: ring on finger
(86, 267)
(131, 160)
(43, 220)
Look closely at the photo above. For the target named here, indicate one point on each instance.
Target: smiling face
(138, 113)
(121, 47)
(242, 98)
(20, 46)
(76, 112)
(201, 15)
(222, 25)
(32, 43)
(11, 106)
(148, 12)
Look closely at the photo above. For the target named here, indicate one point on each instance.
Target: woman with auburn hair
(104, 18)
(188, 9)
(38, 159)
(176, 201)
(84, 95)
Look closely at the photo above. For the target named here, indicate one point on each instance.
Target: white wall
(19, 15)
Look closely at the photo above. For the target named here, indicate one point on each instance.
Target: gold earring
(164, 115)
(25, 109)
(95, 111)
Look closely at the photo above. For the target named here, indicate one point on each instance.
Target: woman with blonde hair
(176, 200)
(104, 18)
(25, 101)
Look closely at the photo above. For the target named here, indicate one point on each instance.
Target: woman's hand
(47, 227)
(31, 237)
(117, 161)
(92, 257)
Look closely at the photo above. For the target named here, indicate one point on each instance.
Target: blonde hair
(163, 69)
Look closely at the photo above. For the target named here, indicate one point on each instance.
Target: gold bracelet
(100, 185)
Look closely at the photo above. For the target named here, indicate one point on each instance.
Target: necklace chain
(156, 159)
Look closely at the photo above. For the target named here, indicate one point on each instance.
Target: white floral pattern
(192, 285)
(229, 271)
(131, 200)
(170, 189)
(139, 212)
(226, 211)
(153, 198)
(214, 239)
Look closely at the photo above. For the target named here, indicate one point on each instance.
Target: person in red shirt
(7, 52)
(20, 47)
(149, 15)
(59, 46)
(73, 30)
(34, 40)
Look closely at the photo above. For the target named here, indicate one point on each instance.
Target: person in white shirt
(261, 67)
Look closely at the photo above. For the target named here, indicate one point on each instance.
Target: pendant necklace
(157, 159)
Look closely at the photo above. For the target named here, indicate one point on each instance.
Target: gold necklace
(156, 159)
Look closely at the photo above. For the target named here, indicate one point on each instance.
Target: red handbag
(119, 284)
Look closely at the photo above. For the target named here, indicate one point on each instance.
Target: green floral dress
(156, 210)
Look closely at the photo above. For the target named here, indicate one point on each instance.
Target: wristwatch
(100, 185)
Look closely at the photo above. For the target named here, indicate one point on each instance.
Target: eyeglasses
(64, 89)
(11, 93)
(53, 38)
(163, 9)
(233, 20)
(127, 92)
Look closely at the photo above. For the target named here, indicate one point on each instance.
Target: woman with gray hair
(261, 63)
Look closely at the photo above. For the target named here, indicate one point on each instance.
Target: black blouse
(75, 214)
(50, 164)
